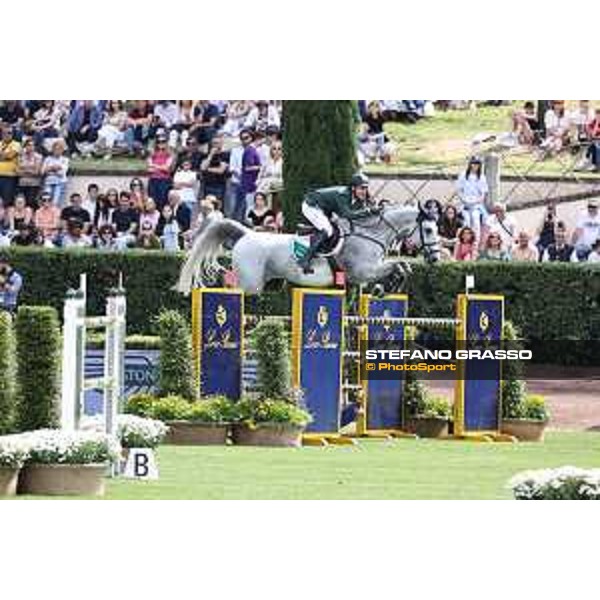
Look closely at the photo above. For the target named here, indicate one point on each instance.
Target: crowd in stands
(205, 159)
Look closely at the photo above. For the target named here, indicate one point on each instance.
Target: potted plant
(564, 483)
(200, 423)
(13, 454)
(431, 417)
(139, 432)
(67, 462)
(528, 419)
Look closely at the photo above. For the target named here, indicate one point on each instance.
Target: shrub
(273, 359)
(170, 408)
(139, 404)
(213, 409)
(435, 407)
(253, 412)
(415, 395)
(13, 452)
(138, 432)
(514, 388)
(175, 369)
(7, 373)
(534, 408)
(565, 483)
(38, 367)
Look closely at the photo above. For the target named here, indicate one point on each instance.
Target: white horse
(259, 257)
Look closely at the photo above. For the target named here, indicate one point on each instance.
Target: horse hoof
(378, 291)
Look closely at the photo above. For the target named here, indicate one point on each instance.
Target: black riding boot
(315, 242)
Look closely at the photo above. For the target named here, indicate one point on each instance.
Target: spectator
(90, 201)
(20, 214)
(206, 115)
(558, 127)
(11, 283)
(193, 153)
(12, 114)
(74, 236)
(237, 112)
(166, 112)
(29, 170)
(449, 225)
(140, 120)
(180, 131)
(560, 251)
(587, 230)
(210, 208)
(580, 119)
(106, 238)
(46, 124)
(466, 246)
(593, 150)
(526, 125)
(137, 192)
(47, 219)
(260, 215)
(494, 248)
(149, 215)
(168, 230)
(83, 125)
(375, 144)
(75, 212)
(502, 224)
(185, 181)
(181, 212)
(473, 190)
(125, 220)
(249, 174)
(104, 209)
(147, 239)
(160, 165)
(9, 157)
(261, 116)
(232, 193)
(54, 171)
(270, 177)
(594, 255)
(4, 230)
(524, 250)
(26, 235)
(215, 169)
(546, 229)
(115, 131)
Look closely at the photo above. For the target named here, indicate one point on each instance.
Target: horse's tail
(207, 247)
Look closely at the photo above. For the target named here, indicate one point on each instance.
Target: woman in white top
(270, 177)
(472, 190)
(114, 128)
(54, 170)
(186, 181)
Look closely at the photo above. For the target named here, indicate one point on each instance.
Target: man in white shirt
(504, 225)
(587, 230)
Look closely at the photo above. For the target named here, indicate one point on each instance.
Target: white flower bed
(132, 431)
(13, 452)
(564, 483)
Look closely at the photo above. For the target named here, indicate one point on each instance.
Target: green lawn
(403, 469)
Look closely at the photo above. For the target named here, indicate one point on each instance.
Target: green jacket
(337, 200)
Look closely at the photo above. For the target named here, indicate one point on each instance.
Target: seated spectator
(90, 201)
(260, 212)
(45, 125)
(9, 160)
(374, 143)
(526, 125)
(75, 212)
(560, 251)
(29, 170)
(83, 125)
(503, 224)
(215, 169)
(185, 181)
(104, 210)
(236, 115)
(26, 235)
(47, 219)
(580, 118)
(137, 192)
(115, 132)
(19, 214)
(150, 215)
(466, 245)
(181, 212)
(408, 248)
(449, 225)
(270, 176)
(493, 248)
(473, 190)
(180, 131)
(587, 230)
(125, 220)
(106, 239)
(546, 229)
(160, 165)
(74, 236)
(594, 255)
(593, 150)
(558, 128)
(206, 116)
(147, 239)
(166, 114)
(140, 121)
(524, 250)
(54, 171)
(261, 116)
(168, 230)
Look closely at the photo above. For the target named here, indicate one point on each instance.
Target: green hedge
(38, 367)
(7, 373)
(545, 301)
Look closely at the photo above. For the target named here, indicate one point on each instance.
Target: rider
(349, 202)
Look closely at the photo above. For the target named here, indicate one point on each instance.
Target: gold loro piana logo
(484, 322)
(322, 316)
(221, 315)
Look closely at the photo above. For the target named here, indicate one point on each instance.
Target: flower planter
(8, 481)
(427, 427)
(268, 434)
(526, 430)
(63, 480)
(187, 433)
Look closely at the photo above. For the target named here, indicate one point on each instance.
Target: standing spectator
(473, 190)
(54, 171)
(232, 192)
(75, 212)
(547, 228)
(160, 165)
(206, 115)
(11, 283)
(9, 157)
(466, 246)
(270, 177)
(524, 250)
(249, 175)
(168, 230)
(12, 114)
(215, 169)
(83, 125)
(47, 219)
(587, 230)
(450, 223)
(181, 212)
(4, 231)
(503, 224)
(125, 220)
(29, 170)
(560, 251)
(20, 214)
(185, 181)
(494, 248)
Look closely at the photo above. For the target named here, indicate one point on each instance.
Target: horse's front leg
(386, 276)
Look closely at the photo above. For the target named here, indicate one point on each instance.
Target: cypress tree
(319, 146)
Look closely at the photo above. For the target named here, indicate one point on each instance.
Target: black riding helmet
(359, 180)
